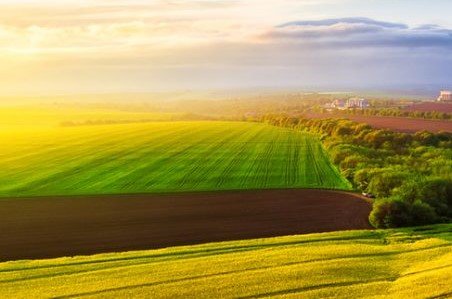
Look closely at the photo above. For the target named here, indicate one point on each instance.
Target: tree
(388, 213)
(422, 213)
(438, 194)
(426, 138)
(383, 183)
(409, 191)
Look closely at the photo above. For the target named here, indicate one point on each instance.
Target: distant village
(361, 103)
(351, 103)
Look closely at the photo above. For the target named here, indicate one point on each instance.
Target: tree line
(409, 174)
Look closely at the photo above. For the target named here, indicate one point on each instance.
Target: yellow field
(404, 263)
(15, 119)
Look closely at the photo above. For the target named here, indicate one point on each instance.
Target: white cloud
(187, 43)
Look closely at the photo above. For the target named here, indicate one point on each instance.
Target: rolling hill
(162, 157)
(400, 263)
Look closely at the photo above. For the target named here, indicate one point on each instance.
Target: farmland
(128, 187)
(162, 157)
(430, 106)
(397, 124)
(401, 263)
(403, 124)
(74, 225)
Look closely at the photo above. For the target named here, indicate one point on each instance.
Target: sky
(104, 46)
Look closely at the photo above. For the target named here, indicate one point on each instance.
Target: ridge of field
(399, 263)
(163, 157)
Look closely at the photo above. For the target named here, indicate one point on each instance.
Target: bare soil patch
(33, 228)
(398, 124)
(406, 125)
(430, 106)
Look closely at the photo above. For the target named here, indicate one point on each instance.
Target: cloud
(329, 22)
(72, 13)
(116, 25)
(360, 32)
(98, 44)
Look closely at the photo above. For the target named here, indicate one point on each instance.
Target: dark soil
(44, 227)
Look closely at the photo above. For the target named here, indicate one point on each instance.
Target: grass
(402, 263)
(162, 157)
(29, 119)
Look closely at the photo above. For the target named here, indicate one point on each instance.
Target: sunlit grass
(30, 119)
(162, 157)
(404, 263)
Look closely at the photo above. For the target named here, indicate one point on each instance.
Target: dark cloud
(361, 32)
(329, 22)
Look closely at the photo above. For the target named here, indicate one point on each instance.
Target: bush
(362, 177)
(422, 213)
(438, 194)
(388, 213)
(409, 191)
(352, 161)
(383, 183)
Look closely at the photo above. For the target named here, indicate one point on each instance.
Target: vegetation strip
(391, 263)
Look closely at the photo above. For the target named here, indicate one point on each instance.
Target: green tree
(422, 213)
(388, 213)
(383, 183)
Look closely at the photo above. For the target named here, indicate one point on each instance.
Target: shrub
(438, 194)
(362, 177)
(409, 191)
(388, 213)
(352, 161)
(382, 184)
(422, 213)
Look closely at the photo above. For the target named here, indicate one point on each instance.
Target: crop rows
(163, 157)
(404, 263)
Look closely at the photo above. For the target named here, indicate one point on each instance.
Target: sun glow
(52, 46)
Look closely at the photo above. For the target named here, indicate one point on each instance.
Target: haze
(99, 46)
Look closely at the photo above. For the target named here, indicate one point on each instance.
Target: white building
(445, 96)
(338, 104)
(357, 103)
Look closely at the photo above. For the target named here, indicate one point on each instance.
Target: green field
(403, 263)
(162, 157)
